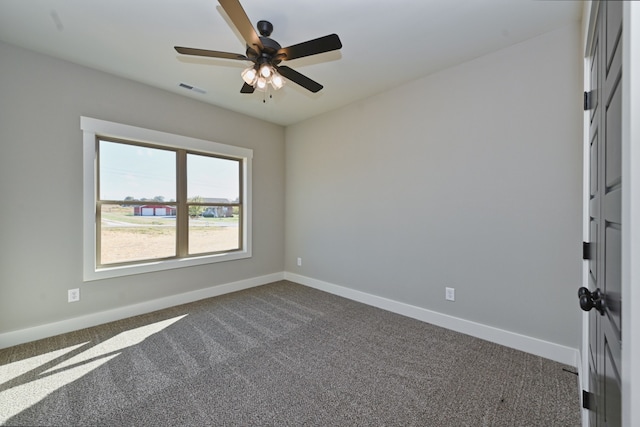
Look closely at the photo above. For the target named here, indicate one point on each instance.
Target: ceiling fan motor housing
(265, 28)
(269, 46)
(270, 49)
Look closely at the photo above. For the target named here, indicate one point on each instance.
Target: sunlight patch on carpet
(20, 397)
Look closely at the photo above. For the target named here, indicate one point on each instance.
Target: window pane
(215, 230)
(131, 172)
(134, 233)
(212, 180)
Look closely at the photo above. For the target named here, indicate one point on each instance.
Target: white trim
(583, 366)
(9, 339)
(630, 214)
(122, 131)
(559, 353)
(582, 379)
(92, 127)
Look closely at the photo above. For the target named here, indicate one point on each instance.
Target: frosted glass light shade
(277, 81)
(261, 84)
(249, 76)
(265, 71)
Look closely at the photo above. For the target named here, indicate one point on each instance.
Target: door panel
(593, 181)
(593, 265)
(614, 28)
(614, 137)
(613, 278)
(611, 392)
(595, 66)
(594, 208)
(612, 206)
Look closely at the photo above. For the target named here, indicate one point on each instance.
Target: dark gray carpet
(281, 355)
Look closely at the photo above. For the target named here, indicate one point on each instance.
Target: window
(155, 201)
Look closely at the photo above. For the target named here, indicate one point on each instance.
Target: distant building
(154, 210)
(217, 211)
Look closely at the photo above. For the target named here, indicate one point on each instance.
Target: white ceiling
(385, 44)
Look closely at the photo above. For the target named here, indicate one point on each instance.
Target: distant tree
(195, 211)
(129, 199)
(158, 199)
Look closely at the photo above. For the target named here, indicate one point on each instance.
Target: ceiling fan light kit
(262, 78)
(266, 53)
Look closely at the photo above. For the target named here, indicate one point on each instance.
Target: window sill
(161, 265)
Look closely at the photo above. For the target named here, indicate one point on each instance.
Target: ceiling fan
(266, 53)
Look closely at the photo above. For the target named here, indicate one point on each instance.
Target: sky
(143, 172)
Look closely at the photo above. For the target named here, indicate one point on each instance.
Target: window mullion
(98, 231)
(182, 214)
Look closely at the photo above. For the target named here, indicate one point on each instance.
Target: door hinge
(587, 399)
(587, 101)
(586, 251)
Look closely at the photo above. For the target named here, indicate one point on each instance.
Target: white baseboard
(9, 339)
(559, 353)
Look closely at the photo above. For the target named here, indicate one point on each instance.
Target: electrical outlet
(299, 262)
(73, 295)
(450, 294)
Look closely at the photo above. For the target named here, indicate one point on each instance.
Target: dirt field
(122, 244)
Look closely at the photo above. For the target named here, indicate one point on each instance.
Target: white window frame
(95, 128)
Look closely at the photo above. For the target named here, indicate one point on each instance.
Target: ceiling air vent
(193, 88)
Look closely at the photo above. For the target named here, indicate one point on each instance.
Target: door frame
(631, 213)
(630, 373)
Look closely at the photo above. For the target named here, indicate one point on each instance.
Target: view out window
(161, 201)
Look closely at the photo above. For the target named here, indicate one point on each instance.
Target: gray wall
(41, 101)
(469, 178)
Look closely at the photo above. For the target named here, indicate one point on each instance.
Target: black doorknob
(589, 300)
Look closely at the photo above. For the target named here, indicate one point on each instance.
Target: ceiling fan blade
(240, 19)
(247, 88)
(300, 79)
(210, 53)
(311, 47)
